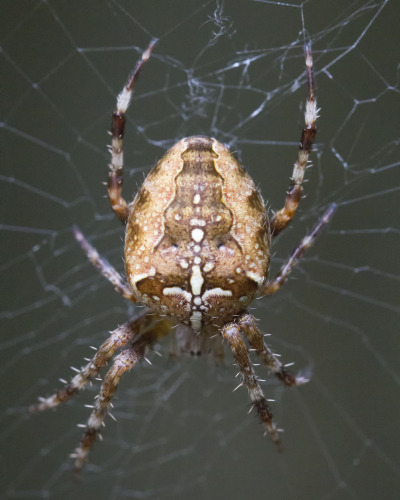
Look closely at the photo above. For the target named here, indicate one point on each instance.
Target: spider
(197, 253)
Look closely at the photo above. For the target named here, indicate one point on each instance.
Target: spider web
(235, 71)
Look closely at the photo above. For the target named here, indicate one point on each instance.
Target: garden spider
(197, 252)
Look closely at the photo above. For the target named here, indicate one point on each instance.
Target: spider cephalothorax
(197, 251)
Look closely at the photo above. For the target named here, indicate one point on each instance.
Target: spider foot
(44, 404)
(303, 376)
(290, 380)
(265, 415)
(81, 452)
(58, 397)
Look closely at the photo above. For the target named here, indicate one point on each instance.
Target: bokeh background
(233, 70)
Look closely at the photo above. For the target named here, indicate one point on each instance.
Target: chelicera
(197, 253)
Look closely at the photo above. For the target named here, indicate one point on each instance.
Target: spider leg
(119, 205)
(231, 332)
(274, 285)
(104, 266)
(118, 338)
(122, 363)
(282, 218)
(248, 325)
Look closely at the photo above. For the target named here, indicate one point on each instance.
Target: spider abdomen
(197, 237)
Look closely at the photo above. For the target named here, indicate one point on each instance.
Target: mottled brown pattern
(229, 212)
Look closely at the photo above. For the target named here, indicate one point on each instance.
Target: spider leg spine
(275, 284)
(282, 218)
(231, 332)
(106, 269)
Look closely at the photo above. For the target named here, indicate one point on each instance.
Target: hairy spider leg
(106, 269)
(115, 177)
(282, 218)
(248, 326)
(231, 332)
(275, 284)
(118, 338)
(121, 364)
